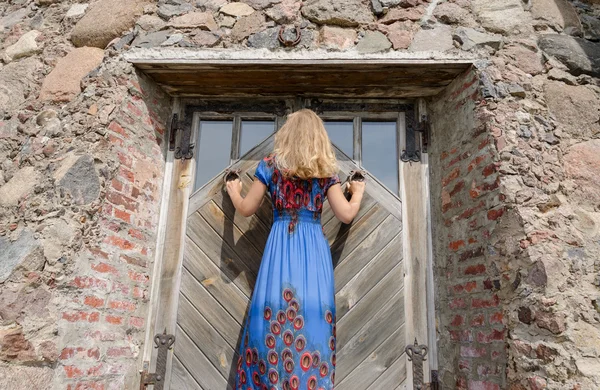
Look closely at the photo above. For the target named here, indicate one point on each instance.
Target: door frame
(178, 187)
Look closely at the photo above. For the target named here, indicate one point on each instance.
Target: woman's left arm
(249, 204)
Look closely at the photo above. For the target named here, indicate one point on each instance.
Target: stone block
(78, 177)
(349, 13)
(373, 42)
(21, 184)
(560, 14)
(471, 38)
(579, 55)
(435, 39)
(575, 107)
(21, 252)
(502, 17)
(201, 20)
(106, 20)
(64, 82)
(16, 80)
(38, 378)
(24, 47)
(581, 165)
(236, 9)
(337, 38)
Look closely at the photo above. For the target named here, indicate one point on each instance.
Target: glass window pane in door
(341, 134)
(253, 133)
(213, 149)
(379, 153)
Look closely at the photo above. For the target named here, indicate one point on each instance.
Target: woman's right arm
(343, 209)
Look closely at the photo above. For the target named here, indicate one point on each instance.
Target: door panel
(221, 259)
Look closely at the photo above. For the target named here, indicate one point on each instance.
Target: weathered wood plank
(373, 333)
(381, 194)
(214, 313)
(231, 235)
(375, 364)
(214, 281)
(346, 243)
(181, 379)
(381, 250)
(205, 337)
(415, 256)
(221, 253)
(331, 228)
(248, 163)
(197, 364)
(256, 227)
(394, 377)
(368, 306)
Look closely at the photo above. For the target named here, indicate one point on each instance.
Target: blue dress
(288, 341)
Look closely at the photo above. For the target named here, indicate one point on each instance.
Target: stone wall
(514, 176)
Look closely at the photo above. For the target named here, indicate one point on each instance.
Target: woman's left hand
(234, 186)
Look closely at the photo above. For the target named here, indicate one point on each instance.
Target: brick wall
(466, 206)
(102, 326)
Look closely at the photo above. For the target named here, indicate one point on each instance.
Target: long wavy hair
(303, 148)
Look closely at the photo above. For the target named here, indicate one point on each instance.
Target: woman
(288, 340)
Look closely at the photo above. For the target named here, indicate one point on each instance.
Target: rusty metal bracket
(173, 132)
(417, 354)
(164, 342)
(424, 127)
(185, 150)
(290, 42)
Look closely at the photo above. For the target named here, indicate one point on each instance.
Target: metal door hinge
(185, 150)
(164, 342)
(424, 128)
(417, 354)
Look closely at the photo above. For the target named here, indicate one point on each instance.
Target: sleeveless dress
(288, 341)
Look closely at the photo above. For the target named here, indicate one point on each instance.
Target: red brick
(119, 242)
(472, 352)
(81, 316)
(135, 192)
(489, 170)
(89, 282)
(471, 254)
(475, 162)
(468, 213)
(134, 261)
(138, 277)
(103, 336)
(73, 372)
(89, 385)
(122, 305)
(457, 321)
(114, 352)
(115, 127)
(482, 385)
(93, 301)
(496, 318)
(136, 234)
(461, 335)
(121, 287)
(457, 188)
(444, 155)
(493, 215)
(452, 176)
(115, 140)
(126, 174)
(494, 335)
(478, 320)
(483, 143)
(98, 252)
(94, 370)
(134, 110)
(457, 303)
(117, 185)
(115, 320)
(456, 245)
(475, 269)
(125, 159)
(121, 200)
(464, 365)
(485, 303)
(122, 215)
(136, 322)
(105, 268)
(140, 293)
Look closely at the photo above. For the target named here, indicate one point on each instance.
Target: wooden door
(221, 258)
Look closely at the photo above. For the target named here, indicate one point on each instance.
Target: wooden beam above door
(384, 76)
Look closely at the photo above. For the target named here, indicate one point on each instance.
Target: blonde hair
(303, 148)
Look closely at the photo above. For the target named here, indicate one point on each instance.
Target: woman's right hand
(356, 187)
